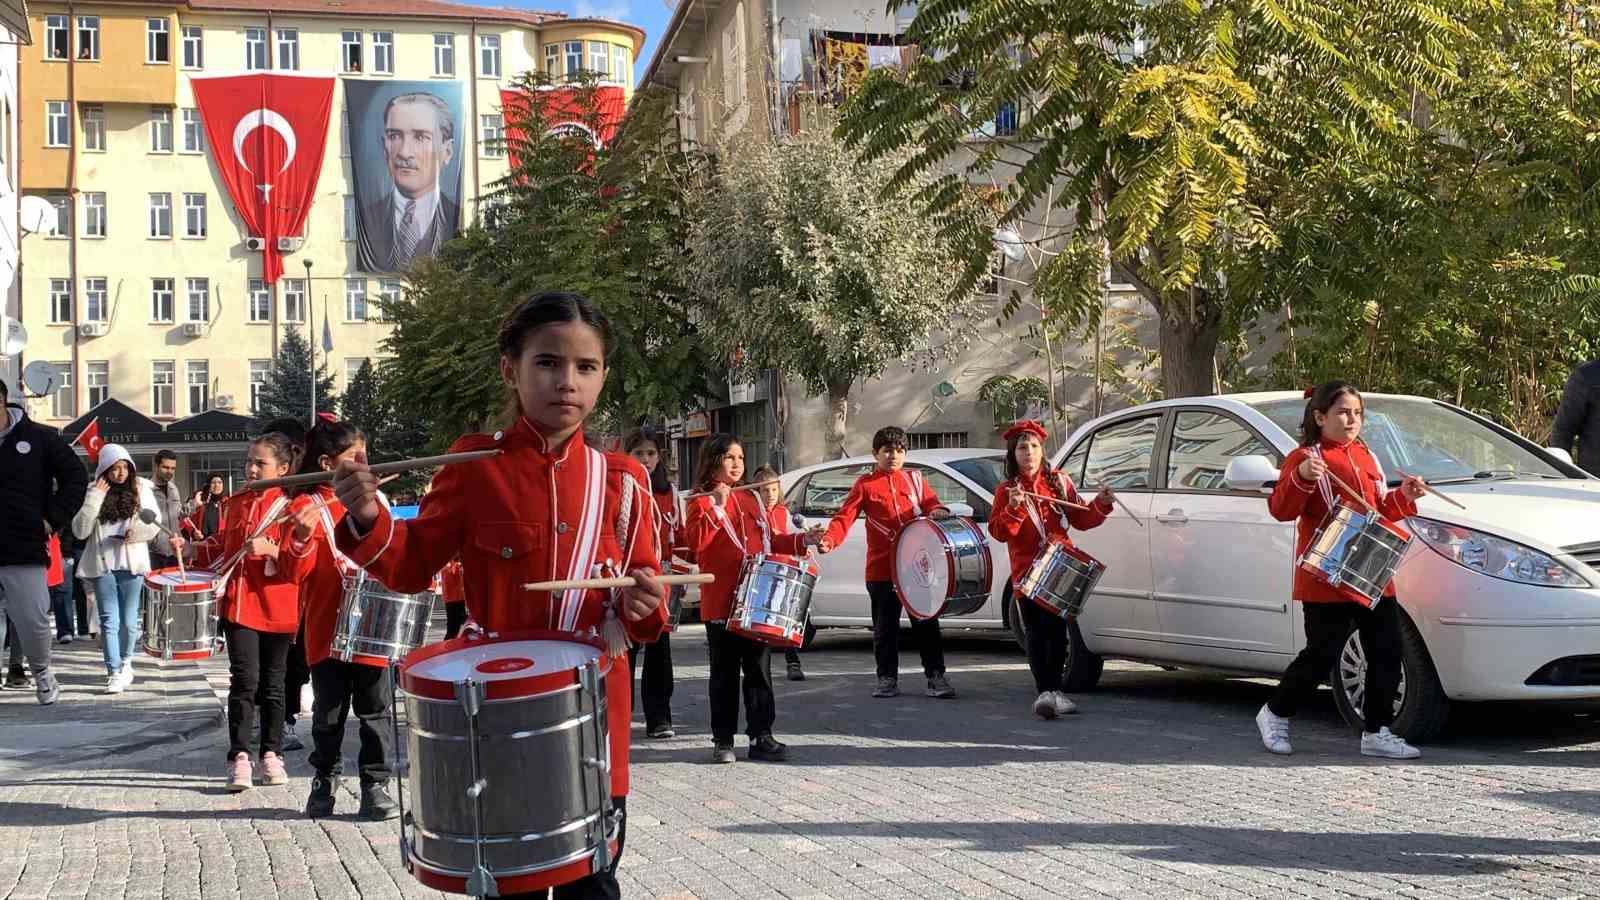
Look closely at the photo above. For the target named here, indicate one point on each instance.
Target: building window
(194, 49)
(64, 402)
(161, 300)
(259, 370)
(94, 214)
(194, 131)
(733, 60)
(388, 296)
(55, 37)
(94, 127)
(619, 63)
(937, 440)
(599, 58)
(97, 380)
(194, 215)
(355, 299)
(89, 38)
(350, 215)
(490, 131)
(489, 55)
(574, 57)
(161, 215)
(199, 299)
(160, 129)
(157, 41)
(352, 368)
(444, 54)
(288, 49)
(63, 206)
(197, 376)
(162, 375)
(294, 299)
(60, 301)
(255, 48)
(350, 50)
(552, 60)
(260, 301)
(94, 300)
(383, 52)
(58, 130)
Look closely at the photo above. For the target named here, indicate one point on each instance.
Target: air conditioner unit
(290, 244)
(194, 329)
(224, 401)
(93, 329)
(255, 243)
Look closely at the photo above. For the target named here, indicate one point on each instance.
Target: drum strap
(1326, 486)
(587, 541)
(345, 564)
(278, 503)
(726, 521)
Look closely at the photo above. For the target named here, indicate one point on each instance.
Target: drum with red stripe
(942, 567)
(180, 614)
(510, 763)
(773, 600)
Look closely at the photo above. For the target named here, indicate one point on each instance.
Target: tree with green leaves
(287, 391)
(360, 404)
(803, 264)
(1172, 133)
(602, 222)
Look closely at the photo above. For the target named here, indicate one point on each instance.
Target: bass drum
(942, 567)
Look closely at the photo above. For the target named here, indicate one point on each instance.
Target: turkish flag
(267, 132)
(563, 110)
(91, 441)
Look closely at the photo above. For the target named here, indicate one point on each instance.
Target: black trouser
(256, 663)
(296, 676)
(733, 655)
(791, 656)
(655, 681)
(1327, 624)
(455, 615)
(886, 634)
(81, 601)
(599, 886)
(339, 686)
(1047, 644)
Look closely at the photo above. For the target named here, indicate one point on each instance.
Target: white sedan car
(1501, 600)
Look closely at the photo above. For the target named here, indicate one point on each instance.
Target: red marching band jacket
(320, 568)
(720, 538)
(1312, 502)
(451, 586)
(1028, 527)
(530, 514)
(890, 500)
(260, 593)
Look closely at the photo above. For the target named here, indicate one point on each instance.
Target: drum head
(492, 661)
(189, 580)
(921, 568)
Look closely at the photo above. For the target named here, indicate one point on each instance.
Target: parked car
(1501, 600)
(964, 479)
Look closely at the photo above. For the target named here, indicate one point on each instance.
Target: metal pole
(311, 340)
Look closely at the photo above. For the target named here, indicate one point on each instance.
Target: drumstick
(1429, 488)
(286, 515)
(401, 465)
(149, 517)
(1351, 491)
(1057, 500)
(1125, 508)
(591, 584)
(742, 487)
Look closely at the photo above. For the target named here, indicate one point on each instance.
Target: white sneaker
(1045, 706)
(1064, 704)
(48, 688)
(1388, 745)
(127, 672)
(1274, 732)
(114, 683)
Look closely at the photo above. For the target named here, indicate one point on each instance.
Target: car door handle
(1173, 517)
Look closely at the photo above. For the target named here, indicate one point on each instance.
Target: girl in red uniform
(723, 528)
(1028, 525)
(260, 608)
(1331, 445)
(655, 682)
(362, 683)
(454, 594)
(547, 507)
(891, 497)
(778, 518)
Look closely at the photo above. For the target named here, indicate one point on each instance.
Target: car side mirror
(1250, 473)
(962, 510)
(1560, 454)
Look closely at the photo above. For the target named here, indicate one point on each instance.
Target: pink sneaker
(272, 770)
(240, 773)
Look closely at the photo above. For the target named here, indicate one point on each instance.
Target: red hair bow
(328, 417)
(1310, 391)
(1026, 426)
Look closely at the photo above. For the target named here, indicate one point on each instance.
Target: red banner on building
(268, 132)
(564, 110)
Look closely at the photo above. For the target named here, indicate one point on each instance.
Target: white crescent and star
(263, 118)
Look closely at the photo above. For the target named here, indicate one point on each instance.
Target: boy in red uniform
(548, 507)
(891, 497)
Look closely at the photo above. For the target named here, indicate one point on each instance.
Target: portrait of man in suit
(415, 216)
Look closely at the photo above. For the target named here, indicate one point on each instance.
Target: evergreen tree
(287, 391)
(360, 404)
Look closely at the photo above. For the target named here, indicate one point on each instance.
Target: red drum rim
(187, 654)
(503, 688)
(766, 634)
(517, 884)
(184, 587)
(950, 574)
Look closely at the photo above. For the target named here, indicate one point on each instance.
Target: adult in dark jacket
(42, 485)
(1579, 417)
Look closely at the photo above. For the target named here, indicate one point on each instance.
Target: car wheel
(810, 636)
(1421, 706)
(1008, 608)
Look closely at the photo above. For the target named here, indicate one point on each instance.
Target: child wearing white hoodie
(116, 557)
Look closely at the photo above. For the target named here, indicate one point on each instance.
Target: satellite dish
(13, 337)
(41, 378)
(37, 215)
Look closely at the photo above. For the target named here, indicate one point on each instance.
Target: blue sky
(651, 15)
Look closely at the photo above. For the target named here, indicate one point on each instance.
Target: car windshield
(1421, 437)
(985, 471)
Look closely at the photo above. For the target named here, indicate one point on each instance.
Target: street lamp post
(311, 342)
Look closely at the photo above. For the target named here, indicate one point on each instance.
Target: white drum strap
(916, 492)
(1323, 484)
(345, 564)
(587, 541)
(278, 503)
(1033, 513)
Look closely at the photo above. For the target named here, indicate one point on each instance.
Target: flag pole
(311, 339)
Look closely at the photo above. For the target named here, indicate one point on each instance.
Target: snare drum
(510, 763)
(377, 626)
(1061, 579)
(180, 614)
(1356, 552)
(773, 600)
(942, 568)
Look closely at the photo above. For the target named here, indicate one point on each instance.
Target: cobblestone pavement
(1158, 789)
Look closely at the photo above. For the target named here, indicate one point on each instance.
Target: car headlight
(1496, 556)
